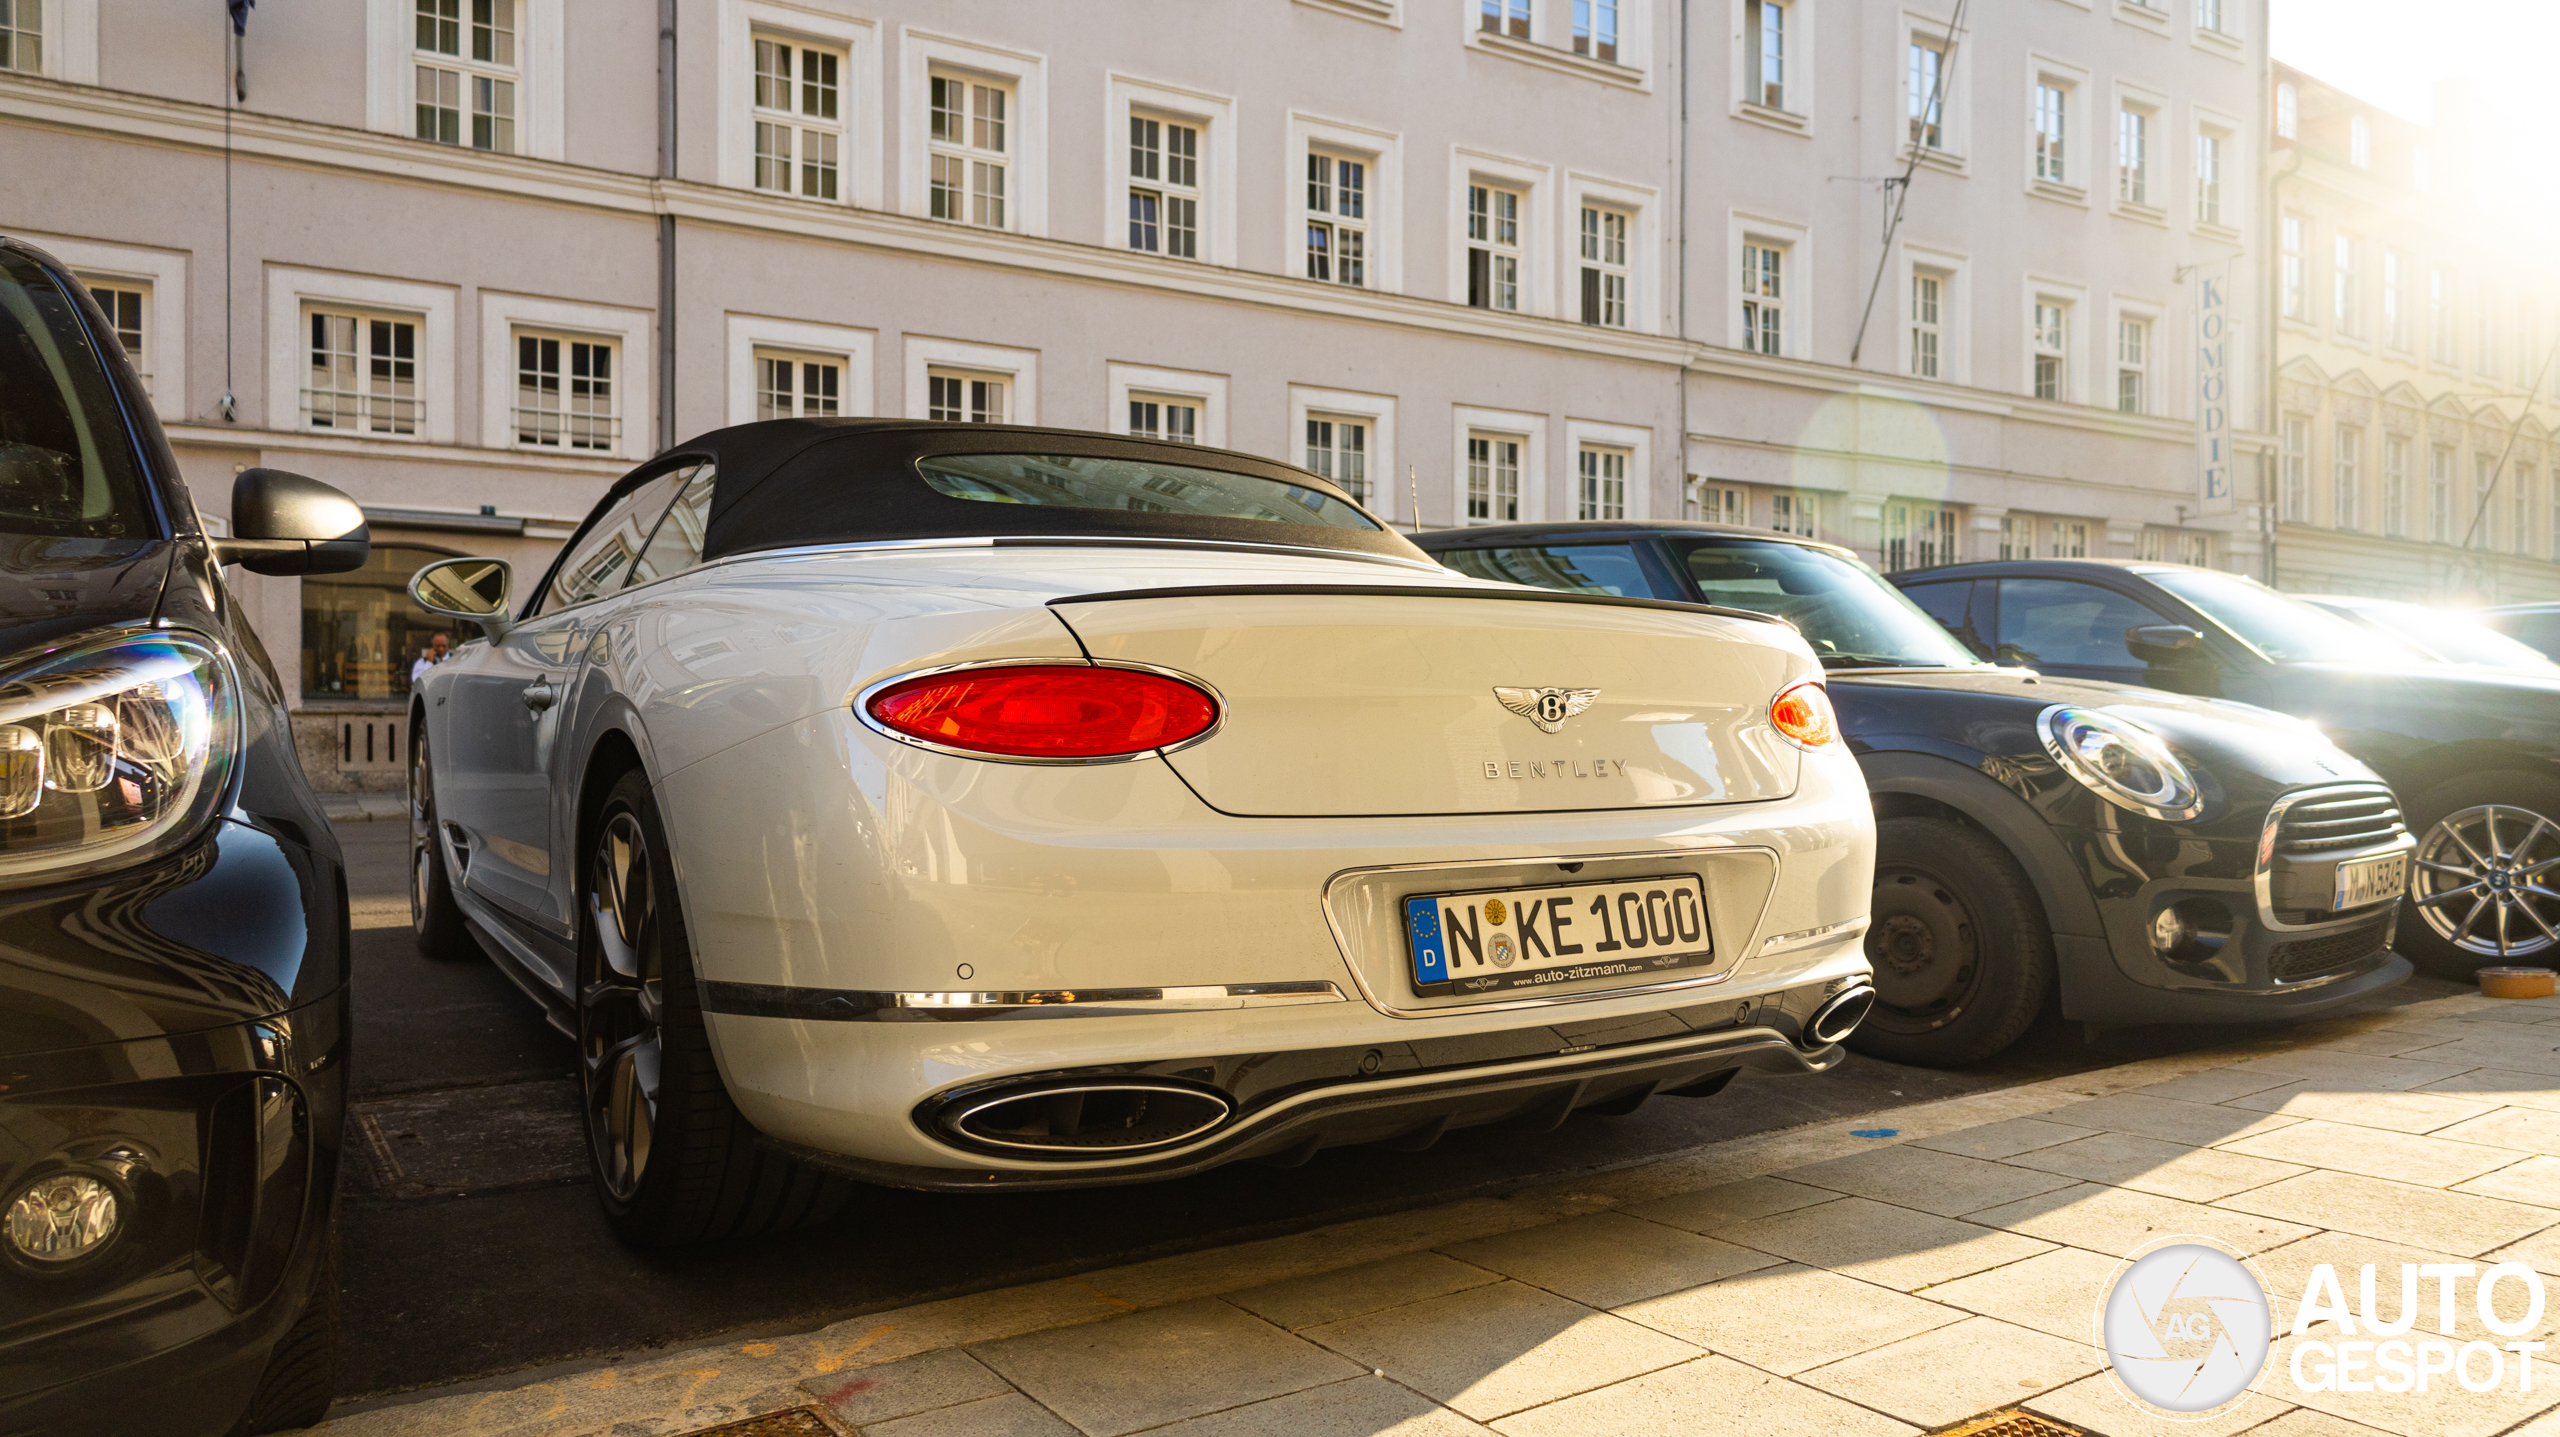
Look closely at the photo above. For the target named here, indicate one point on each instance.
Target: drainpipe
(666, 226)
(1680, 263)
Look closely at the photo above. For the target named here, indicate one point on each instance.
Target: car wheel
(302, 1371)
(2485, 885)
(1963, 957)
(674, 1161)
(434, 917)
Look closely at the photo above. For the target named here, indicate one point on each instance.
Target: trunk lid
(1377, 700)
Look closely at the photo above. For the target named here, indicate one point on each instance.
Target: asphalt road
(472, 1245)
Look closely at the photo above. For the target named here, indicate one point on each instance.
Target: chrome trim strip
(1807, 937)
(959, 1121)
(862, 709)
(1056, 541)
(2262, 876)
(854, 1005)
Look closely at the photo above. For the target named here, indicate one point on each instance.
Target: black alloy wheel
(674, 1161)
(434, 918)
(2485, 881)
(1962, 955)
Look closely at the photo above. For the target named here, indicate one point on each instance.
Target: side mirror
(472, 590)
(2163, 643)
(286, 524)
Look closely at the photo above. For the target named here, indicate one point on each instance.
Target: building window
(467, 71)
(2067, 539)
(1928, 336)
(1604, 484)
(2297, 281)
(2439, 317)
(794, 386)
(565, 393)
(123, 301)
(2346, 308)
(1925, 100)
(364, 374)
(1794, 514)
(2133, 156)
(2359, 142)
(22, 36)
(1337, 219)
(2052, 341)
(2395, 300)
(2296, 495)
(362, 633)
(2346, 475)
(969, 151)
(2208, 178)
(2288, 111)
(964, 398)
(1493, 478)
(2133, 365)
(2050, 102)
(798, 109)
(2017, 536)
(2395, 485)
(1764, 46)
(1917, 537)
(2440, 493)
(2484, 478)
(1507, 17)
(1176, 421)
(1493, 247)
(1724, 504)
(2209, 15)
(1164, 187)
(1338, 449)
(1595, 29)
(2520, 511)
(1764, 317)
(1604, 267)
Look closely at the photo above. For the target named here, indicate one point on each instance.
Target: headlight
(2121, 761)
(111, 751)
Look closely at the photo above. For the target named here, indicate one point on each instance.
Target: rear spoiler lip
(1422, 591)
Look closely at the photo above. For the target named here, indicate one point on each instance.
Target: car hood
(51, 588)
(2243, 756)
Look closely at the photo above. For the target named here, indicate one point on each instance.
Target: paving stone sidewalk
(1889, 1274)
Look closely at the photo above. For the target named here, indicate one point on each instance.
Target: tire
(434, 918)
(2451, 925)
(674, 1162)
(1962, 954)
(302, 1372)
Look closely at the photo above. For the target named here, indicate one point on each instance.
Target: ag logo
(1547, 708)
(2186, 1327)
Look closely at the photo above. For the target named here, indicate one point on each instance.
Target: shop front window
(361, 632)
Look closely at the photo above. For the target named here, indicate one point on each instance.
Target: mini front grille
(2336, 820)
(2311, 957)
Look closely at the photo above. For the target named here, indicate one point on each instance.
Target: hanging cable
(235, 92)
(2498, 471)
(1934, 112)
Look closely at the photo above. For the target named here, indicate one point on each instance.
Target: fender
(2068, 905)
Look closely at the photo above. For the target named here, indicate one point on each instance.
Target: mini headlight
(66, 1216)
(2120, 761)
(112, 750)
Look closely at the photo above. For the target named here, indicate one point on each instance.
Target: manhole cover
(2012, 1423)
(798, 1422)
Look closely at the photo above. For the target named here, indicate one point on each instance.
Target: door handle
(539, 695)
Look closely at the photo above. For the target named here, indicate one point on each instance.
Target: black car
(173, 919)
(2474, 753)
(2135, 856)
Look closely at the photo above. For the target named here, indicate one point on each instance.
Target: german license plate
(2371, 880)
(1499, 939)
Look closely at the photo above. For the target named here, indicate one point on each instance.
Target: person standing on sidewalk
(433, 656)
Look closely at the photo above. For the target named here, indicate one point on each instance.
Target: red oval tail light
(1803, 714)
(1061, 711)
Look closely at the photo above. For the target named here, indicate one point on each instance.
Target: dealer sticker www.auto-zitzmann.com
(2190, 1332)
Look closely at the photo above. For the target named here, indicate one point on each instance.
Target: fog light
(63, 1217)
(2171, 931)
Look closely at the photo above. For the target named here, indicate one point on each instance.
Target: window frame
(2072, 381)
(471, 71)
(569, 343)
(858, 108)
(1537, 229)
(391, 63)
(2396, 449)
(2293, 491)
(1383, 152)
(1378, 412)
(2134, 187)
(1799, 32)
(1128, 99)
(2142, 367)
(364, 355)
(797, 123)
(1528, 430)
(1127, 383)
(292, 293)
(748, 333)
(1796, 299)
(1634, 441)
(922, 55)
(628, 330)
(2074, 147)
(2346, 476)
(162, 277)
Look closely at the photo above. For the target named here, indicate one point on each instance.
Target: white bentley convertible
(948, 806)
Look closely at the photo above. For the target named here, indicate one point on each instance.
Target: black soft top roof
(786, 483)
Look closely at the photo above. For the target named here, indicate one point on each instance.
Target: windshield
(2282, 628)
(1139, 485)
(1850, 615)
(2451, 637)
(66, 465)
(1580, 568)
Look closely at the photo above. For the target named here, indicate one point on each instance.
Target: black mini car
(2140, 856)
(2474, 753)
(173, 919)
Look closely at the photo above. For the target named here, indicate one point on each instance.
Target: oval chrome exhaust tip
(1840, 1014)
(1086, 1116)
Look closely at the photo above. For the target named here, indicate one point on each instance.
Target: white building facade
(471, 259)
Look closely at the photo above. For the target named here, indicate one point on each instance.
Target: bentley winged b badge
(1547, 708)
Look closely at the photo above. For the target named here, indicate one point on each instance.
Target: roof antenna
(1413, 487)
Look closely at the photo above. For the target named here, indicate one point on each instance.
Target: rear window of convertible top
(1134, 485)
